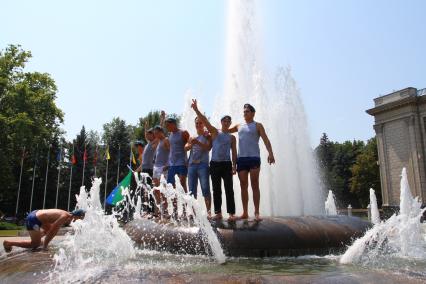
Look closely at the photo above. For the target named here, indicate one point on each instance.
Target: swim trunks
(32, 222)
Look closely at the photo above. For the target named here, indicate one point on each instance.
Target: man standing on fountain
(161, 162)
(198, 169)
(248, 162)
(221, 166)
(147, 163)
(177, 159)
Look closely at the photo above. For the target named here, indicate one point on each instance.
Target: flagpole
(130, 157)
(20, 179)
(47, 171)
(69, 187)
(95, 159)
(84, 164)
(59, 176)
(32, 185)
(106, 177)
(118, 163)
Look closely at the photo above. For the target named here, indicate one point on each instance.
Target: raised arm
(234, 154)
(234, 128)
(262, 133)
(203, 118)
(65, 217)
(162, 118)
(146, 129)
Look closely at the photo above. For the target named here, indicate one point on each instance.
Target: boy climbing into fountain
(248, 162)
(44, 223)
(221, 166)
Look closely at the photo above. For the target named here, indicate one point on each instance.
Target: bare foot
(217, 217)
(232, 218)
(257, 217)
(6, 246)
(243, 217)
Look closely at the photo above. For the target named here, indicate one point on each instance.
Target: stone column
(382, 163)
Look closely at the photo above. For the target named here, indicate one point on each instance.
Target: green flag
(116, 195)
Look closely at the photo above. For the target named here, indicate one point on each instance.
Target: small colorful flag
(133, 158)
(59, 156)
(116, 195)
(107, 156)
(73, 159)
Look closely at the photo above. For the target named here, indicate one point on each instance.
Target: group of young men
(167, 155)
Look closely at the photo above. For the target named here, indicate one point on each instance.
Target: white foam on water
(97, 243)
(402, 236)
(330, 204)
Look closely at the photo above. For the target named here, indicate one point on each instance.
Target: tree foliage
(349, 169)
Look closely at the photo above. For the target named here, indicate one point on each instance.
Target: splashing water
(401, 236)
(97, 243)
(291, 186)
(330, 204)
(375, 215)
(193, 208)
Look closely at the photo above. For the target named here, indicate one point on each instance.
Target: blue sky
(125, 58)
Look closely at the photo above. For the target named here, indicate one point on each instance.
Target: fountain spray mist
(291, 186)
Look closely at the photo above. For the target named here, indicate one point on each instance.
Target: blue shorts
(248, 163)
(176, 170)
(199, 172)
(32, 222)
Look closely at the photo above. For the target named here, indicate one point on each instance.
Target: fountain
(187, 249)
(330, 204)
(291, 193)
(401, 235)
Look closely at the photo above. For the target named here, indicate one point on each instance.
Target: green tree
(366, 174)
(28, 117)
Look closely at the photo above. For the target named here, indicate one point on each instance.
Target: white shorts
(157, 172)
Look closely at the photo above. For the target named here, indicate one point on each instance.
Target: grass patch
(9, 233)
(10, 226)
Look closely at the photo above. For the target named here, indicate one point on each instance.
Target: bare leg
(157, 196)
(208, 202)
(254, 180)
(33, 243)
(243, 176)
(182, 180)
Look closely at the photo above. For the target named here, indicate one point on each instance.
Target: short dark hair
(158, 128)
(151, 130)
(226, 117)
(139, 143)
(250, 107)
(171, 120)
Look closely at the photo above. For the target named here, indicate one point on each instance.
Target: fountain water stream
(291, 187)
(330, 204)
(401, 236)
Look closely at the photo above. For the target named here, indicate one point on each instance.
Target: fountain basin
(274, 236)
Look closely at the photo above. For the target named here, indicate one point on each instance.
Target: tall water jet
(291, 186)
(375, 215)
(330, 204)
(400, 236)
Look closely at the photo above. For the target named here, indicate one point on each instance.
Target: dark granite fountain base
(275, 236)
